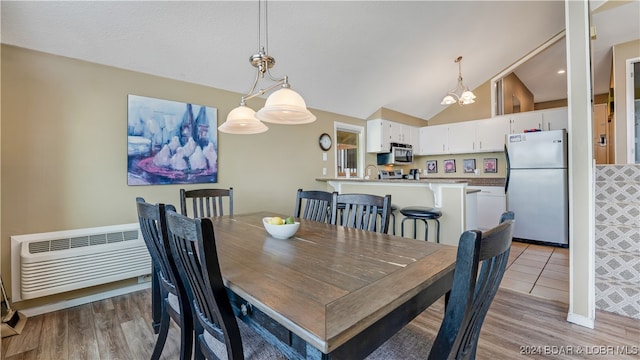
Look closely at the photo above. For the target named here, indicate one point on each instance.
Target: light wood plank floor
(516, 325)
(542, 271)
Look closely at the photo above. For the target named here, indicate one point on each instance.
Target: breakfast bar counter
(451, 196)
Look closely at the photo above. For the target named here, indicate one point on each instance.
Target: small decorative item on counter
(450, 166)
(432, 166)
(490, 165)
(469, 165)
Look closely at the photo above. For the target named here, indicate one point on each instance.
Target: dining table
(328, 292)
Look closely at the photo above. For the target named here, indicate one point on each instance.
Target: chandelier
(460, 94)
(283, 106)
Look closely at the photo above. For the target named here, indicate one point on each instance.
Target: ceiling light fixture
(284, 106)
(461, 94)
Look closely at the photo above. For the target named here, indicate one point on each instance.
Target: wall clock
(325, 142)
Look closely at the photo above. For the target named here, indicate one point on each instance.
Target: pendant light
(460, 94)
(284, 106)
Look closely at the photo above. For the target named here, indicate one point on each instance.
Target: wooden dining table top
(327, 283)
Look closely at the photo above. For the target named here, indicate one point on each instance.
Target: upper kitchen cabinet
(378, 136)
(400, 133)
(381, 133)
(433, 140)
(490, 133)
(555, 119)
(461, 137)
(525, 121)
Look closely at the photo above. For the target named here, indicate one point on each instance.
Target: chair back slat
(193, 244)
(472, 293)
(315, 205)
(361, 211)
(206, 202)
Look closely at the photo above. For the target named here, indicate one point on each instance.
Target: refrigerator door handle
(506, 183)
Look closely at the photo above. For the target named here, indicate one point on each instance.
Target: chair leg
(162, 334)
(426, 230)
(186, 333)
(393, 223)
(437, 231)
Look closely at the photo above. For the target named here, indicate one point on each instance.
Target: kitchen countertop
(471, 181)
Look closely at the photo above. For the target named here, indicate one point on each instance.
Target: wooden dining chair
(206, 202)
(361, 211)
(174, 301)
(315, 205)
(219, 335)
(469, 300)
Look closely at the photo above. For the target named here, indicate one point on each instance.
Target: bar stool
(424, 214)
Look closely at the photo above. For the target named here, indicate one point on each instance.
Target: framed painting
(170, 142)
(450, 166)
(490, 165)
(469, 165)
(432, 166)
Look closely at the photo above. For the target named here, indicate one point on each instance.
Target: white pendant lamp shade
(285, 106)
(448, 100)
(242, 120)
(461, 94)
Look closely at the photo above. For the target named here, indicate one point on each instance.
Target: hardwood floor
(517, 326)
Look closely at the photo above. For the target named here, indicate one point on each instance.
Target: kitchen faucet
(375, 167)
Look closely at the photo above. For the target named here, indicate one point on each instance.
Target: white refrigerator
(537, 186)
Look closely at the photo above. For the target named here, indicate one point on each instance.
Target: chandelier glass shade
(283, 106)
(460, 94)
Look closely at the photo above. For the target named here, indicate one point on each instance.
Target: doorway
(633, 110)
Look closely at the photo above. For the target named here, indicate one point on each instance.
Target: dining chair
(361, 211)
(315, 205)
(174, 300)
(218, 333)
(206, 202)
(469, 300)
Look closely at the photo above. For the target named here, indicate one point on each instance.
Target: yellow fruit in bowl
(276, 220)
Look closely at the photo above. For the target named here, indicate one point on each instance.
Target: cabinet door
(491, 133)
(400, 133)
(462, 137)
(415, 138)
(491, 203)
(378, 136)
(555, 119)
(433, 139)
(525, 121)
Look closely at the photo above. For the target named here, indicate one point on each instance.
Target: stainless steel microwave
(400, 154)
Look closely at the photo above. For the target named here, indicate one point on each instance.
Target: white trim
(361, 146)
(629, 95)
(581, 320)
(65, 304)
(510, 69)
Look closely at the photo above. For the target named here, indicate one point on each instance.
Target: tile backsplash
(617, 239)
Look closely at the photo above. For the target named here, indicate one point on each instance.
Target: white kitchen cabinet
(491, 202)
(555, 119)
(378, 136)
(525, 121)
(433, 139)
(461, 137)
(415, 139)
(381, 133)
(491, 133)
(400, 133)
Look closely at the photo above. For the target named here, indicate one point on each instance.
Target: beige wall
(514, 89)
(621, 53)
(64, 148)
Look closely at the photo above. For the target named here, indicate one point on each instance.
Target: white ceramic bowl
(284, 231)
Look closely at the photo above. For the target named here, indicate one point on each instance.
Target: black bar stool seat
(423, 214)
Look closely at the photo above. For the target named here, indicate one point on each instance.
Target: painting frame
(469, 165)
(449, 166)
(171, 142)
(490, 165)
(432, 166)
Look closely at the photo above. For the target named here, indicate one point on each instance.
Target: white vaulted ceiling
(347, 57)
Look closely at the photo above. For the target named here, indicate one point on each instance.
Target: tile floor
(538, 270)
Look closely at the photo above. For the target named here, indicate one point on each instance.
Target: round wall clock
(325, 142)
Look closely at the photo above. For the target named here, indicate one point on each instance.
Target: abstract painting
(170, 142)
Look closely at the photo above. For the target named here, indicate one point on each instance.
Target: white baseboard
(588, 322)
(39, 310)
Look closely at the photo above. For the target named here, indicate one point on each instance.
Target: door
(543, 149)
(539, 201)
